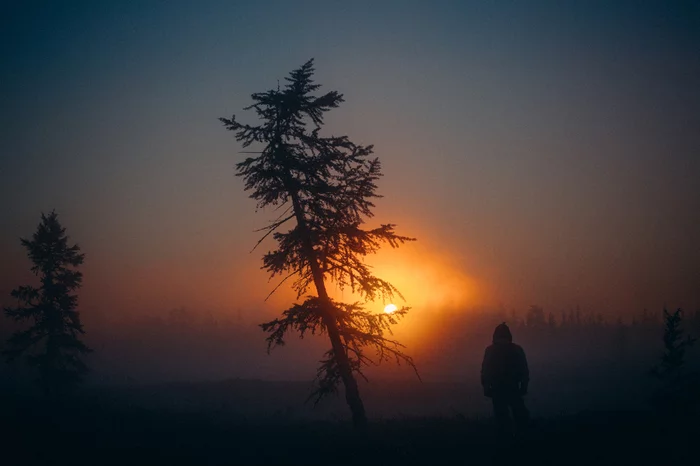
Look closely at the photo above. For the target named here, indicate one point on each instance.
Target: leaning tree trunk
(352, 392)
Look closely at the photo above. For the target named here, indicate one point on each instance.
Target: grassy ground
(105, 434)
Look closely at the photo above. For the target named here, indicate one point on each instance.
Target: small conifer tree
(51, 344)
(673, 359)
(678, 392)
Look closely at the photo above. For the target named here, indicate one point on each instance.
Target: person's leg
(520, 413)
(501, 413)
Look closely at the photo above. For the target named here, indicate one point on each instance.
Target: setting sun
(390, 308)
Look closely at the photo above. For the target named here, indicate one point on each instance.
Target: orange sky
(540, 155)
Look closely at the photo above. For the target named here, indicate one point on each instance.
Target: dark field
(589, 395)
(590, 398)
(117, 427)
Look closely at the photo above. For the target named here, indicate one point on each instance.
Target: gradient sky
(542, 152)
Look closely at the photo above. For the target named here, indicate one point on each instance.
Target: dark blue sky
(543, 152)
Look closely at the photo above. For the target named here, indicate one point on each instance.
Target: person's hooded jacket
(504, 371)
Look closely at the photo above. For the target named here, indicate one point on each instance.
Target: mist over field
(182, 361)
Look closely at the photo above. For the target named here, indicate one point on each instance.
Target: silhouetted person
(505, 376)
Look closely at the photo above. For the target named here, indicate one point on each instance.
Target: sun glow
(430, 282)
(390, 308)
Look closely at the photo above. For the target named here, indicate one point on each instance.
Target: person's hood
(502, 334)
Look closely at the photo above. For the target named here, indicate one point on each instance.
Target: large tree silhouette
(325, 186)
(51, 343)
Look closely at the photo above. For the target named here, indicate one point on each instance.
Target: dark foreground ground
(91, 433)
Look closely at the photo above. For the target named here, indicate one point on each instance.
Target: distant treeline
(185, 343)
